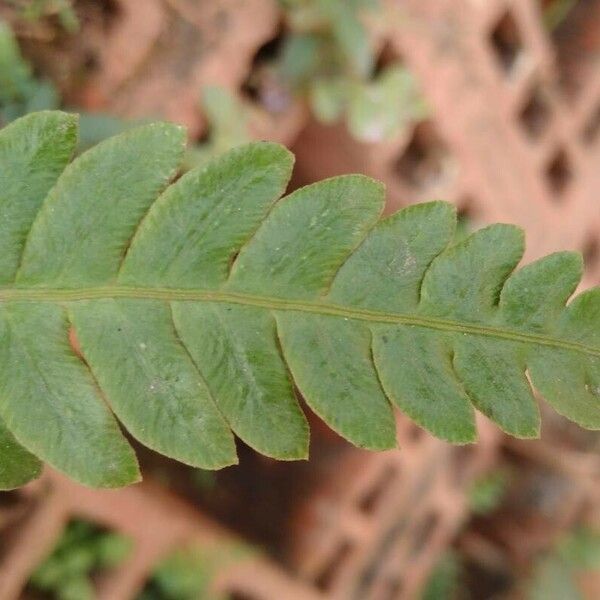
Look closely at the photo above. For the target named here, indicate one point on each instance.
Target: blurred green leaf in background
(20, 91)
(82, 551)
(555, 574)
(227, 120)
(328, 56)
(189, 573)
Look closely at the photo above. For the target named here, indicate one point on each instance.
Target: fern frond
(200, 306)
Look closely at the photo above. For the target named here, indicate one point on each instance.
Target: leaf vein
(273, 303)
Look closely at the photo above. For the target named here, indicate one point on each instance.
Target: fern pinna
(200, 306)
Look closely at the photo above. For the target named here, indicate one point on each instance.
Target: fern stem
(282, 304)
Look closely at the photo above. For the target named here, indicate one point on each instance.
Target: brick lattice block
(157, 523)
(376, 527)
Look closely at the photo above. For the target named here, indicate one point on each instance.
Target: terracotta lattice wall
(515, 117)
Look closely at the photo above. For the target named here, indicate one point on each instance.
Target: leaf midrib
(321, 308)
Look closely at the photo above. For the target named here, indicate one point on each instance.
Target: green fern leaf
(199, 307)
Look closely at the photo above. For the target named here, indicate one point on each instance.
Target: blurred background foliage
(83, 551)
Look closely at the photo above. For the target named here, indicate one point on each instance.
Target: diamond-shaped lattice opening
(426, 162)
(393, 589)
(574, 27)
(481, 578)
(372, 497)
(592, 127)
(331, 571)
(423, 532)
(535, 116)
(559, 173)
(388, 55)
(506, 42)
(263, 85)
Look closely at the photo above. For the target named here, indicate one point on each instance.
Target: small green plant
(82, 551)
(445, 580)
(200, 307)
(21, 93)
(189, 573)
(227, 119)
(327, 56)
(555, 574)
(487, 491)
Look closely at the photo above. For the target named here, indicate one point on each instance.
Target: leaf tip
(29, 477)
(382, 444)
(468, 435)
(234, 462)
(531, 432)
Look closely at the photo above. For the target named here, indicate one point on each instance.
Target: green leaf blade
(535, 296)
(386, 271)
(456, 286)
(236, 350)
(34, 150)
(150, 381)
(330, 359)
(580, 323)
(17, 465)
(50, 403)
(193, 231)
(570, 384)
(493, 369)
(416, 371)
(306, 237)
(83, 229)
